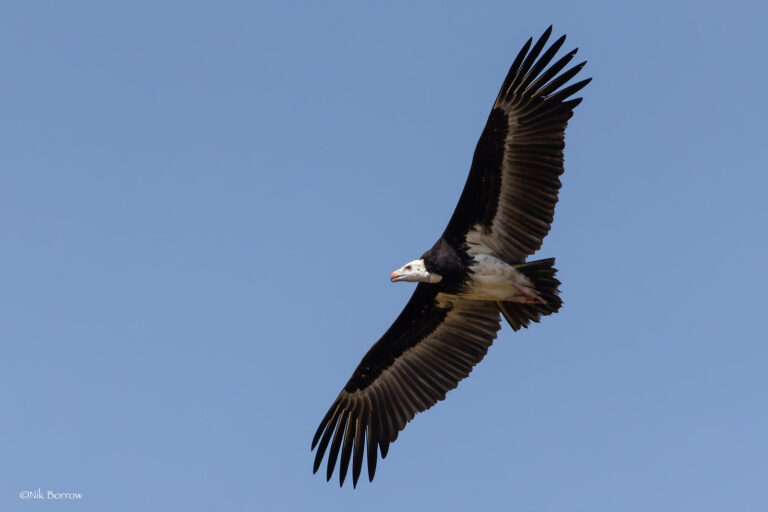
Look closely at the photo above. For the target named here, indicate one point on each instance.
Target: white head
(415, 271)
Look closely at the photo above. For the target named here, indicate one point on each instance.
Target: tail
(542, 275)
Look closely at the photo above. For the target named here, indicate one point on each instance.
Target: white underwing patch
(492, 279)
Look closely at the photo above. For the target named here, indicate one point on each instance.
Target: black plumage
(505, 210)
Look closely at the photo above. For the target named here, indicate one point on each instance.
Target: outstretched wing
(431, 346)
(508, 201)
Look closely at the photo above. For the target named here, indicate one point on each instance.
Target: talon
(530, 296)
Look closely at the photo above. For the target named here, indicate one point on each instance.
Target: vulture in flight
(475, 273)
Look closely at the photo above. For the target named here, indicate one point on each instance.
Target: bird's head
(415, 271)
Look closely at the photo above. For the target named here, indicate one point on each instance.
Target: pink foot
(529, 296)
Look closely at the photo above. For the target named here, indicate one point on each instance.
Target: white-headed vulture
(475, 273)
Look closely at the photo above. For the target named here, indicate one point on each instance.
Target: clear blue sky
(200, 205)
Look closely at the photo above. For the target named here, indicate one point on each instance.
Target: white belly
(492, 279)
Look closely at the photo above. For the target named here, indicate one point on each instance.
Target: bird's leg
(529, 295)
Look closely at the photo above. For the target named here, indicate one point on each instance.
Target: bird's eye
(407, 267)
